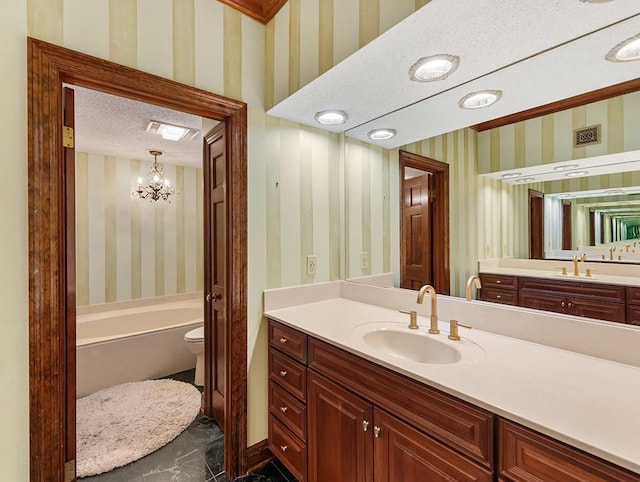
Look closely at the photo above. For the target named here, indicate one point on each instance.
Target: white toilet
(195, 342)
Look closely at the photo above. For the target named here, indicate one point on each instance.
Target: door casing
(49, 66)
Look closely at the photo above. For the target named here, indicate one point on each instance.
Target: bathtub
(133, 341)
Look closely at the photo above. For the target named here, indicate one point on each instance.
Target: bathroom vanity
(344, 408)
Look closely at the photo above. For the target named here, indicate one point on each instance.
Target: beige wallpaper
(128, 248)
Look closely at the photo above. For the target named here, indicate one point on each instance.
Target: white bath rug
(120, 424)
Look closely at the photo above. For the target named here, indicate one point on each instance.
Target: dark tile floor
(196, 455)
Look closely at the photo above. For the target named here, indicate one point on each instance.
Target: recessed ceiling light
(171, 132)
(511, 175)
(478, 100)
(576, 173)
(625, 51)
(526, 179)
(435, 67)
(566, 167)
(381, 134)
(331, 117)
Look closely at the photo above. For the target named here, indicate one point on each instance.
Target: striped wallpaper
(128, 248)
(549, 138)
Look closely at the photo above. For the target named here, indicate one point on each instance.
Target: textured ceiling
(536, 52)
(115, 126)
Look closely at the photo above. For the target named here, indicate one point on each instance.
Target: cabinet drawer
(527, 456)
(288, 449)
(288, 374)
(633, 295)
(457, 424)
(633, 314)
(499, 281)
(288, 410)
(288, 341)
(575, 288)
(506, 297)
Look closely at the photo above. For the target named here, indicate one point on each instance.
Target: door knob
(213, 297)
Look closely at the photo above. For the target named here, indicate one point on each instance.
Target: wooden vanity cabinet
(527, 456)
(499, 289)
(589, 300)
(287, 398)
(633, 305)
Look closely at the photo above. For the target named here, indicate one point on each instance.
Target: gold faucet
(470, 282)
(434, 306)
(575, 266)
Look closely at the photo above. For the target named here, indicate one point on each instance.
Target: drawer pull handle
(365, 425)
(562, 304)
(499, 297)
(284, 447)
(283, 373)
(284, 409)
(376, 431)
(283, 340)
(498, 282)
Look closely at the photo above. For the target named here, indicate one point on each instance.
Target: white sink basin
(412, 345)
(416, 346)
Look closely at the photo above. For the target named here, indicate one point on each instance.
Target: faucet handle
(588, 273)
(563, 270)
(453, 329)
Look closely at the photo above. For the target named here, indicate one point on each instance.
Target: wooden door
(340, 441)
(566, 225)
(417, 233)
(69, 254)
(599, 310)
(539, 300)
(592, 228)
(424, 229)
(536, 224)
(403, 454)
(215, 231)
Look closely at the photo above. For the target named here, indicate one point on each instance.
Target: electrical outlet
(364, 260)
(311, 264)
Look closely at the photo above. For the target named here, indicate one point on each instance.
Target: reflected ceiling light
(576, 173)
(566, 167)
(331, 117)
(171, 132)
(511, 175)
(478, 100)
(434, 67)
(526, 179)
(595, 1)
(614, 191)
(381, 134)
(625, 51)
(564, 195)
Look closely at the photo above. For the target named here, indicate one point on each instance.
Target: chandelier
(156, 187)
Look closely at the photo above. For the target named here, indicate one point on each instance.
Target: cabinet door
(600, 310)
(339, 431)
(403, 454)
(543, 301)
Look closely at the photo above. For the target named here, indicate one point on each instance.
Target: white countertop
(590, 403)
(541, 273)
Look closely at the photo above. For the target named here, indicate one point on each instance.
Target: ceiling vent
(587, 136)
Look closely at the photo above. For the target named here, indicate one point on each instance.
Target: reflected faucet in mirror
(470, 282)
(434, 306)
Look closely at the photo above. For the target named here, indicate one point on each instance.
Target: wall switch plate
(311, 264)
(364, 260)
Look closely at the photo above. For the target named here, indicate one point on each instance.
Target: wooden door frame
(440, 170)
(49, 66)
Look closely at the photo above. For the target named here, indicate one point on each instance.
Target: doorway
(567, 226)
(51, 260)
(536, 224)
(424, 222)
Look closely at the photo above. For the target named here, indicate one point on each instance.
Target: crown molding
(261, 10)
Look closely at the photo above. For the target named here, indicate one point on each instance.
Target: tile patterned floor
(196, 455)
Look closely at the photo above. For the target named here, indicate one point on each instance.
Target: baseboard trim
(258, 455)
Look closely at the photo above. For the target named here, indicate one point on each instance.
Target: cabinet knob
(498, 297)
(284, 448)
(365, 425)
(562, 304)
(569, 304)
(283, 340)
(498, 282)
(284, 409)
(376, 431)
(283, 373)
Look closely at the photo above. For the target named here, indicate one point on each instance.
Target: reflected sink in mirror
(397, 340)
